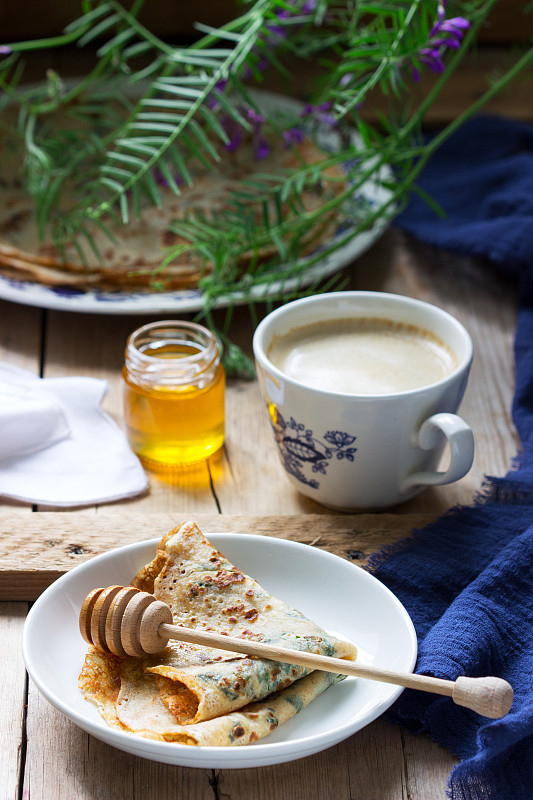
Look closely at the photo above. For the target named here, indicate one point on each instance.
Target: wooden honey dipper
(128, 622)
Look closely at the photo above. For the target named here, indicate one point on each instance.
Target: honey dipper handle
(126, 621)
(491, 697)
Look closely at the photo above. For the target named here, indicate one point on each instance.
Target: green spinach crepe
(204, 696)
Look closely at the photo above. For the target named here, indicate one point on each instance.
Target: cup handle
(461, 441)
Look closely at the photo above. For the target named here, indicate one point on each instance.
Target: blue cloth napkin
(482, 177)
(467, 579)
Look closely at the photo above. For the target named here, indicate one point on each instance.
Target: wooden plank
(36, 551)
(12, 692)
(368, 765)
(428, 766)
(20, 335)
(164, 18)
(507, 21)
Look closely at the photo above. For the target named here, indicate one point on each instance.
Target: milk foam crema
(362, 356)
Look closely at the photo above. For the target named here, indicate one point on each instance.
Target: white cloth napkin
(58, 447)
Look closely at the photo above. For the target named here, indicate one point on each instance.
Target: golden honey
(173, 388)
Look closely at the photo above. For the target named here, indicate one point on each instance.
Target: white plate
(338, 595)
(372, 192)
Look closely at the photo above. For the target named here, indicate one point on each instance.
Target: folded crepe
(205, 696)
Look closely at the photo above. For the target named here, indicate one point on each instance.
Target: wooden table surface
(44, 755)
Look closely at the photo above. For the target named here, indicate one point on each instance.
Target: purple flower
(220, 87)
(320, 113)
(261, 147)
(255, 117)
(235, 139)
(234, 132)
(432, 59)
(162, 181)
(5, 50)
(278, 30)
(275, 33)
(445, 33)
(292, 136)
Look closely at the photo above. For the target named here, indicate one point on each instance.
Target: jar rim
(205, 340)
(197, 368)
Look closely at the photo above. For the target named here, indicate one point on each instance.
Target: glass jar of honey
(173, 388)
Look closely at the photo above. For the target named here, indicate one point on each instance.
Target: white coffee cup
(357, 452)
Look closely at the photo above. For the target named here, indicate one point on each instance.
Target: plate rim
(261, 753)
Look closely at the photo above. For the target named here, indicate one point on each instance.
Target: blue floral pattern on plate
(298, 447)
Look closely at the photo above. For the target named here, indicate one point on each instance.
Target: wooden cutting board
(36, 549)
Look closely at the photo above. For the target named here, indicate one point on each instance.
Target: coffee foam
(367, 356)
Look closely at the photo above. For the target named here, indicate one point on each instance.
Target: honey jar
(173, 389)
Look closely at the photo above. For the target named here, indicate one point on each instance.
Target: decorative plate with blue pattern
(183, 301)
(371, 196)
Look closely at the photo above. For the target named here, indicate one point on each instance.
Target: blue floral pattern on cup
(298, 447)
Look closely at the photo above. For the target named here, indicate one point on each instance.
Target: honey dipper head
(124, 621)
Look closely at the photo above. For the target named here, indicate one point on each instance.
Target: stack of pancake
(130, 259)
